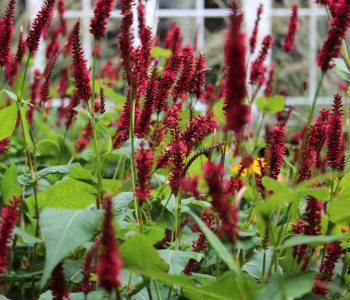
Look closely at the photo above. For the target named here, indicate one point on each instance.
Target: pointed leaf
(64, 230)
(9, 185)
(8, 120)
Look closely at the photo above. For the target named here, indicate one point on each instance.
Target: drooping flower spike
(58, 284)
(288, 44)
(253, 38)
(39, 24)
(79, 68)
(6, 33)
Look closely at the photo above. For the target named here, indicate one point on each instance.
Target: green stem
(93, 125)
(157, 289)
(24, 78)
(177, 224)
(149, 291)
(163, 209)
(319, 84)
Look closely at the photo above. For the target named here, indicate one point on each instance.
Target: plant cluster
(133, 178)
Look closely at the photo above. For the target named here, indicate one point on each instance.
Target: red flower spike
(124, 122)
(148, 107)
(324, 278)
(190, 185)
(21, 47)
(166, 82)
(253, 38)
(257, 68)
(102, 99)
(86, 285)
(11, 71)
(71, 112)
(63, 83)
(126, 39)
(4, 146)
(196, 85)
(276, 148)
(182, 84)
(109, 262)
(323, 2)
(9, 217)
(61, 8)
(6, 33)
(227, 212)
(54, 44)
(82, 142)
(300, 250)
(102, 11)
(34, 94)
(80, 71)
(58, 285)
(144, 160)
(335, 35)
(288, 44)
(39, 24)
(313, 215)
(173, 38)
(334, 135)
(45, 88)
(270, 81)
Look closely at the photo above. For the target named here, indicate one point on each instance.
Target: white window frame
(200, 13)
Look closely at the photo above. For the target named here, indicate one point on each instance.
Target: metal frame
(200, 13)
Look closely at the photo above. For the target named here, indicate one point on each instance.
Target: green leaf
(216, 244)
(126, 148)
(26, 237)
(314, 241)
(177, 260)
(72, 269)
(157, 51)
(26, 179)
(28, 133)
(106, 147)
(64, 230)
(95, 295)
(146, 259)
(341, 68)
(247, 243)
(271, 105)
(170, 205)
(121, 203)
(339, 209)
(70, 194)
(228, 287)
(8, 120)
(9, 185)
(83, 111)
(287, 286)
(11, 95)
(255, 265)
(49, 141)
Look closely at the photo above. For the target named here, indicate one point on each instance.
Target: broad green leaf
(49, 141)
(339, 210)
(121, 203)
(138, 254)
(11, 95)
(247, 243)
(8, 119)
(70, 194)
(83, 111)
(216, 244)
(80, 174)
(106, 147)
(272, 185)
(126, 148)
(64, 230)
(228, 287)
(177, 260)
(157, 51)
(255, 265)
(26, 179)
(271, 105)
(341, 69)
(72, 269)
(287, 286)
(26, 237)
(314, 241)
(9, 185)
(28, 133)
(153, 233)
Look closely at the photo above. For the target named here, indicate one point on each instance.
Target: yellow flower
(344, 228)
(254, 168)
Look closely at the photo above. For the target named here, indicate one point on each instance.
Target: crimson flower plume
(4, 146)
(102, 11)
(270, 81)
(71, 112)
(288, 44)
(109, 263)
(335, 35)
(253, 38)
(58, 285)
(61, 8)
(257, 68)
(21, 47)
(198, 78)
(39, 24)
(9, 217)
(173, 38)
(6, 33)
(80, 71)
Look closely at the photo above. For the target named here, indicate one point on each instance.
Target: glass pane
(289, 3)
(166, 4)
(214, 46)
(296, 64)
(216, 4)
(188, 27)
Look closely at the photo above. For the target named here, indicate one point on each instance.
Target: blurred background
(203, 22)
